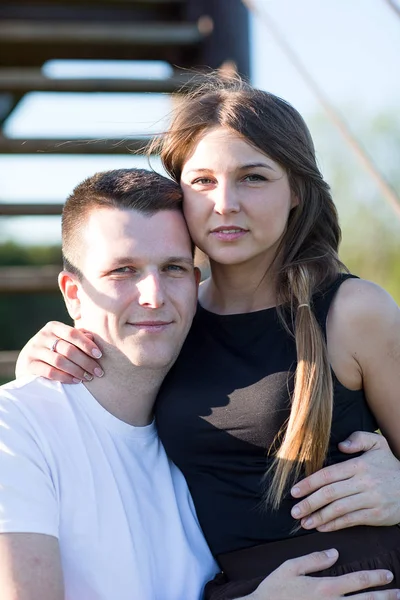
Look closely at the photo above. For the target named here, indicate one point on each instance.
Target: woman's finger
(77, 337)
(73, 361)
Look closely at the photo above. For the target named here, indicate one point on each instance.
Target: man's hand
(361, 491)
(290, 582)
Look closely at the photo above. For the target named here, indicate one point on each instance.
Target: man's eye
(175, 269)
(124, 270)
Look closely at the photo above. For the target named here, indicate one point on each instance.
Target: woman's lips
(228, 233)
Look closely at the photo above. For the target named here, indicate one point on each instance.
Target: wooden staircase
(187, 34)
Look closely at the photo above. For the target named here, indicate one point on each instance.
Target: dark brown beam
(14, 209)
(29, 279)
(37, 54)
(8, 102)
(229, 38)
(27, 79)
(7, 364)
(90, 11)
(53, 32)
(111, 3)
(57, 146)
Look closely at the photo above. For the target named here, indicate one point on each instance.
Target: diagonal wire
(387, 190)
(394, 6)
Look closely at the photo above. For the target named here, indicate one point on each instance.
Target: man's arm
(30, 567)
(30, 564)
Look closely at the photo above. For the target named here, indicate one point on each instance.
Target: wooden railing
(24, 280)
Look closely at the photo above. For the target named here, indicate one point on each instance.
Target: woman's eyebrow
(257, 165)
(241, 167)
(199, 170)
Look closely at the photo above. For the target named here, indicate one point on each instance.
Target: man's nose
(151, 291)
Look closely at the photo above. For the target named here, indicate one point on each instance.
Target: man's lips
(140, 323)
(151, 326)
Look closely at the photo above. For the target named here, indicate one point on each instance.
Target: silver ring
(54, 345)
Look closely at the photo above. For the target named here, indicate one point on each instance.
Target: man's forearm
(30, 567)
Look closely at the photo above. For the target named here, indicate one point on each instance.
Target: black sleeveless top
(220, 409)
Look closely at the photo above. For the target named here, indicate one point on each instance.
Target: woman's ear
(70, 285)
(294, 201)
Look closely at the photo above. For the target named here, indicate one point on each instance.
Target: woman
(288, 353)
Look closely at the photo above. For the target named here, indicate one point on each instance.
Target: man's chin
(152, 361)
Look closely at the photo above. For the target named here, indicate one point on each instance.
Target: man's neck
(128, 396)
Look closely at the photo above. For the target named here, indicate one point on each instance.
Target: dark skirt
(360, 548)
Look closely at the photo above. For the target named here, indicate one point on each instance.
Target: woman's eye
(202, 181)
(254, 177)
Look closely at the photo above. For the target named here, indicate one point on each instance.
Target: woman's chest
(227, 394)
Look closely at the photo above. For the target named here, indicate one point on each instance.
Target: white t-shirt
(121, 510)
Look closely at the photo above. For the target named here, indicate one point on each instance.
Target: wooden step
(31, 43)
(9, 5)
(77, 146)
(7, 364)
(94, 10)
(29, 279)
(23, 80)
(110, 3)
(29, 209)
(122, 33)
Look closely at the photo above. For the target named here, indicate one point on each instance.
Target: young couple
(287, 356)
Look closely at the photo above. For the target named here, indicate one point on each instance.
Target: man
(88, 494)
(90, 506)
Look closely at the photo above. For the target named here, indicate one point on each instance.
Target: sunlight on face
(236, 199)
(139, 287)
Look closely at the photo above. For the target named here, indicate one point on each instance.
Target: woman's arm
(72, 360)
(363, 331)
(375, 331)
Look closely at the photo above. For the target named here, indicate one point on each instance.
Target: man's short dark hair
(145, 191)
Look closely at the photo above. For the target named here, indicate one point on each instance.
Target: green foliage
(12, 254)
(370, 226)
(377, 258)
(22, 315)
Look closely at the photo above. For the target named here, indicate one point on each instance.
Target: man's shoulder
(31, 383)
(33, 400)
(31, 389)
(39, 416)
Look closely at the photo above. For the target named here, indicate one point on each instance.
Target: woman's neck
(235, 289)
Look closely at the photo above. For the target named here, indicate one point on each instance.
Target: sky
(350, 48)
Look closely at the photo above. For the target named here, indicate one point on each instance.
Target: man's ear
(197, 275)
(69, 285)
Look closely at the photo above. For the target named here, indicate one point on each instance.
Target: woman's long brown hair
(308, 253)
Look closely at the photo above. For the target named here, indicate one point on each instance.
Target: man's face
(139, 287)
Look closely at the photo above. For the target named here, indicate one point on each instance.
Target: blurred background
(84, 84)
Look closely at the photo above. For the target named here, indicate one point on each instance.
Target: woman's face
(236, 199)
